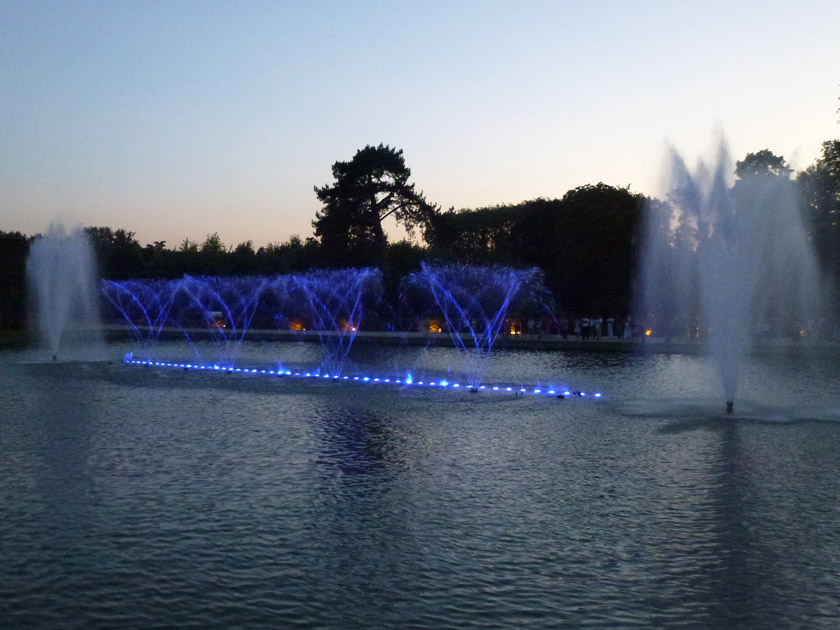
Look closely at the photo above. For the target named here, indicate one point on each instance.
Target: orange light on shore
(648, 332)
(434, 326)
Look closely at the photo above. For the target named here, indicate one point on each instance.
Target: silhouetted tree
(475, 236)
(244, 259)
(161, 262)
(820, 184)
(294, 255)
(404, 257)
(15, 250)
(214, 257)
(588, 245)
(213, 245)
(764, 162)
(118, 254)
(187, 246)
(367, 190)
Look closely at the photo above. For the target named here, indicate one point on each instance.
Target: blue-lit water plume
(470, 303)
(334, 302)
(330, 303)
(219, 308)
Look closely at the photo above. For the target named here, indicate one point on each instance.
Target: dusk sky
(176, 120)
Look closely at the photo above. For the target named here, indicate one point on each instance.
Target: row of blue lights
(442, 383)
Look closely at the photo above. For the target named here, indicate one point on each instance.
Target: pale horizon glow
(179, 120)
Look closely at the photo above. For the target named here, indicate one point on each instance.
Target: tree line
(587, 242)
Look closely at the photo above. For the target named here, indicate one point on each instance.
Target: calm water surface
(147, 498)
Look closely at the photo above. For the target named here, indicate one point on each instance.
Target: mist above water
(64, 294)
(726, 264)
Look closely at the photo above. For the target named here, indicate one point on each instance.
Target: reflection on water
(143, 498)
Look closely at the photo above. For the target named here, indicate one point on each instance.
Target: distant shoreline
(17, 339)
(651, 345)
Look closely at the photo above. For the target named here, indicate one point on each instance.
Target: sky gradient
(176, 119)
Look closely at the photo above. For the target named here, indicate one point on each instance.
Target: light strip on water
(374, 380)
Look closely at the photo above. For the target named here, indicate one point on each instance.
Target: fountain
(473, 302)
(64, 302)
(728, 265)
(329, 303)
(334, 302)
(330, 306)
(221, 309)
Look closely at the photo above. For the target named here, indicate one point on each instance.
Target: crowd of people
(581, 328)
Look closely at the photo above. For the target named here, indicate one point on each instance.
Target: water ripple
(155, 501)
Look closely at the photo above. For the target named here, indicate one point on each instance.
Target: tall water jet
(64, 294)
(728, 264)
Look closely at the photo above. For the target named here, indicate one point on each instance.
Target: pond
(145, 497)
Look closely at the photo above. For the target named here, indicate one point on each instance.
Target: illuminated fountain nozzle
(408, 380)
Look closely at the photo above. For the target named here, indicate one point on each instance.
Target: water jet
(472, 302)
(727, 264)
(63, 295)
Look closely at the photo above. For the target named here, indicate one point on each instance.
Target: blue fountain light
(470, 303)
(372, 380)
(330, 303)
